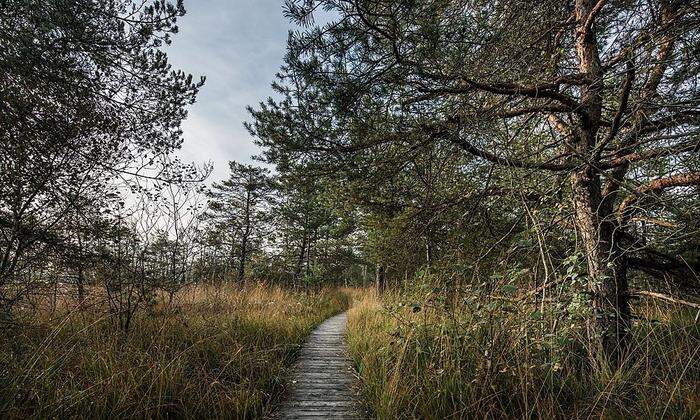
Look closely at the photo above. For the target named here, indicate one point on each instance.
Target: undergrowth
(419, 358)
(216, 352)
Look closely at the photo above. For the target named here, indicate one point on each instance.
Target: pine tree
(238, 210)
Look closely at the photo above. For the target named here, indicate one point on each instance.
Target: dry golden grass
(217, 352)
(430, 362)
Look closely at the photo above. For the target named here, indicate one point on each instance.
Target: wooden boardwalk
(322, 384)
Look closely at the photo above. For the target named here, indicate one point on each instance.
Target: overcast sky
(238, 45)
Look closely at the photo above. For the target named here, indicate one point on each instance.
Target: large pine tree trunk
(608, 325)
(607, 280)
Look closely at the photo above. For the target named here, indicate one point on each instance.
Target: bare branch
(692, 178)
(664, 297)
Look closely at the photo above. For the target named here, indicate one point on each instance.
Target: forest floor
(215, 352)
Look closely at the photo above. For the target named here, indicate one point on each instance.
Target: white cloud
(239, 46)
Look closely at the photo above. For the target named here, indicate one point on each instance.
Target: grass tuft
(480, 361)
(217, 352)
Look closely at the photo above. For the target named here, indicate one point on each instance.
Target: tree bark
(608, 325)
(380, 279)
(244, 239)
(300, 260)
(429, 252)
(241, 264)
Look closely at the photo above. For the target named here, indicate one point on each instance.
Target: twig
(667, 298)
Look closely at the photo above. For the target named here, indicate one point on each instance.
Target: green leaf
(509, 289)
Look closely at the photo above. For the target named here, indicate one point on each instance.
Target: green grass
(481, 361)
(217, 353)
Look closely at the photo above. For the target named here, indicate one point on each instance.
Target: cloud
(239, 46)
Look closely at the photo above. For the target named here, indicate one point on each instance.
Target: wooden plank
(323, 381)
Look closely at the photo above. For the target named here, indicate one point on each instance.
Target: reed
(214, 352)
(418, 359)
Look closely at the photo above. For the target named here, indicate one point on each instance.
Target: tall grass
(475, 360)
(217, 352)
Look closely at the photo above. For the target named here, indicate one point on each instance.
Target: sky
(238, 45)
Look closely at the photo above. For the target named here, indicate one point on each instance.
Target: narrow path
(322, 382)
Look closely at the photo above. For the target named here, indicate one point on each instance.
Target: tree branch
(681, 180)
(684, 147)
(591, 17)
(624, 99)
(533, 109)
(667, 298)
(543, 90)
(515, 163)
